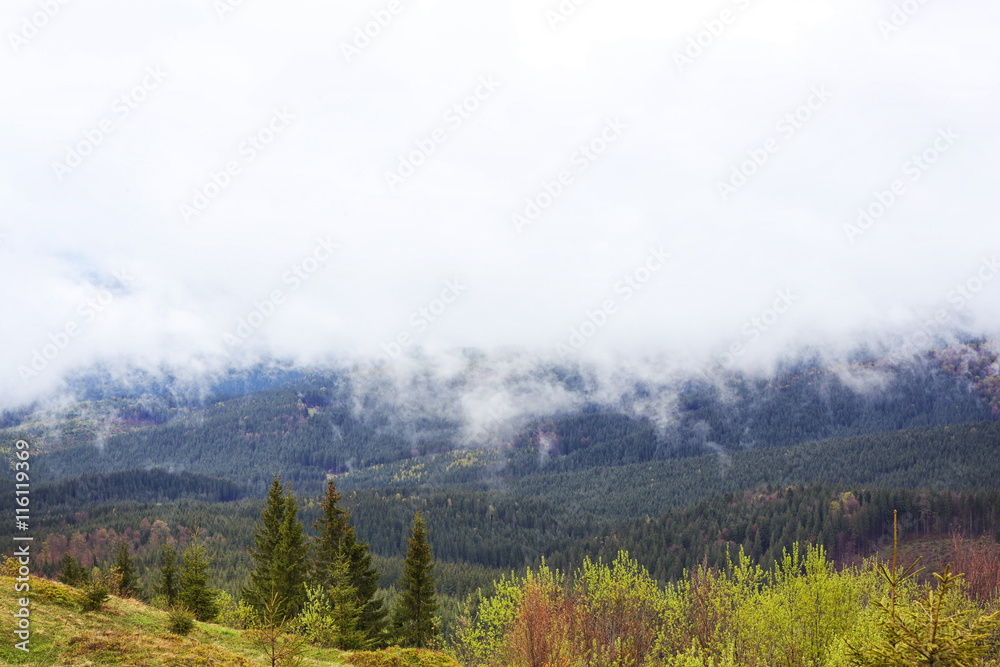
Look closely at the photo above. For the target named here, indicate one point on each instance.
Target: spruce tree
(195, 594)
(169, 585)
(123, 565)
(336, 536)
(279, 554)
(71, 572)
(345, 610)
(413, 618)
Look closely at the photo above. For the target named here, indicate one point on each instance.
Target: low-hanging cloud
(197, 233)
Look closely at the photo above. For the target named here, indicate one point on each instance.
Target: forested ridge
(318, 424)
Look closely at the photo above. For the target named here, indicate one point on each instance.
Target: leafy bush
(9, 567)
(801, 613)
(180, 621)
(232, 614)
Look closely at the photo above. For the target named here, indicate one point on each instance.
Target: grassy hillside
(128, 632)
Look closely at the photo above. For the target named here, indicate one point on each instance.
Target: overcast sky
(203, 182)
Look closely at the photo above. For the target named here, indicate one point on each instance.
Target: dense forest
(312, 425)
(744, 469)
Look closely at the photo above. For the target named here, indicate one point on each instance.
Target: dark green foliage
(180, 620)
(279, 553)
(155, 485)
(195, 593)
(766, 522)
(72, 573)
(413, 617)
(127, 584)
(240, 438)
(338, 554)
(169, 583)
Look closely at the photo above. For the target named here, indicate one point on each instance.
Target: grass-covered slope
(129, 633)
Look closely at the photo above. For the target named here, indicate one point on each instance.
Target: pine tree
(346, 612)
(279, 554)
(336, 536)
(413, 618)
(195, 594)
(71, 572)
(126, 570)
(169, 586)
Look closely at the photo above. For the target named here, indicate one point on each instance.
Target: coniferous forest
(759, 527)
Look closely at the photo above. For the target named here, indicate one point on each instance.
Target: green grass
(125, 632)
(130, 633)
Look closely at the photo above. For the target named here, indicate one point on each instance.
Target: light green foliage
(330, 618)
(944, 630)
(801, 613)
(239, 615)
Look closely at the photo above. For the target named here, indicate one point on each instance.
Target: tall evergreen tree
(337, 540)
(346, 612)
(169, 584)
(413, 618)
(126, 569)
(195, 593)
(279, 554)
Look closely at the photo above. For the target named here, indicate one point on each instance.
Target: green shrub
(95, 595)
(60, 594)
(180, 621)
(232, 614)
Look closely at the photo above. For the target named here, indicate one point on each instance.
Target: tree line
(325, 588)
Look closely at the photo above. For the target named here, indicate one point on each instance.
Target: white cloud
(325, 175)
